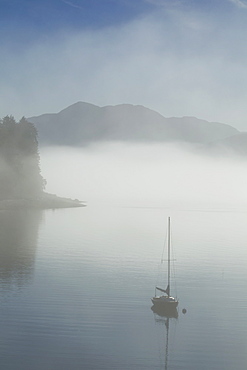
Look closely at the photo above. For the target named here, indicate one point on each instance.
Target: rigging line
(173, 259)
(158, 275)
(162, 259)
(164, 246)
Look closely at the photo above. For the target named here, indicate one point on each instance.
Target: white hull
(165, 301)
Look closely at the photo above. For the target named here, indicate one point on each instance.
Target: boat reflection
(163, 316)
(165, 312)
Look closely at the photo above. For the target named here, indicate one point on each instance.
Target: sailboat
(166, 301)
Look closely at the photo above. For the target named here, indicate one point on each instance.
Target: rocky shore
(46, 201)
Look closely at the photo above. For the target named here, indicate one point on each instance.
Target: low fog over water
(145, 175)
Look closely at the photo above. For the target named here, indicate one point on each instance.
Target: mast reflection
(163, 316)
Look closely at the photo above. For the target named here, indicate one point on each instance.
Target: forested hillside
(20, 175)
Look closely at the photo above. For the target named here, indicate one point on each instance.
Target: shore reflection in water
(18, 243)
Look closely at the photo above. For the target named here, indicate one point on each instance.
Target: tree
(19, 160)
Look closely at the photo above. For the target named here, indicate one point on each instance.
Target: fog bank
(145, 175)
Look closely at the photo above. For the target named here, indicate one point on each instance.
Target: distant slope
(83, 123)
(236, 143)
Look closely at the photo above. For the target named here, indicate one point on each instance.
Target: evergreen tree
(19, 160)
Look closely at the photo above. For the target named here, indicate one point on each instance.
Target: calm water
(75, 289)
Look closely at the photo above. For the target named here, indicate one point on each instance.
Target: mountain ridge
(84, 123)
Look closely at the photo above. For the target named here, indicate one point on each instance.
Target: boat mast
(169, 246)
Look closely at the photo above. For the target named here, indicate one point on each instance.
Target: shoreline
(45, 201)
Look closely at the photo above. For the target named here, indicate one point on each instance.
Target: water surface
(75, 289)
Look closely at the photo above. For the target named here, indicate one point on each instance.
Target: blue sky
(51, 15)
(178, 57)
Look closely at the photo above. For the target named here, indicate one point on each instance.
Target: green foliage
(19, 160)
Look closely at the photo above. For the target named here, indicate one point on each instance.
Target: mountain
(234, 144)
(84, 123)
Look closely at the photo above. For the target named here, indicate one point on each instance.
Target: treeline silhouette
(20, 175)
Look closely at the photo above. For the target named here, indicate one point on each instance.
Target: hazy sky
(178, 57)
